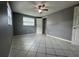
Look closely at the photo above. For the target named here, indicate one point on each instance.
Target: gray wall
(60, 23)
(18, 25)
(5, 31)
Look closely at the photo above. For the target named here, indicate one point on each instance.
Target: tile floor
(32, 45)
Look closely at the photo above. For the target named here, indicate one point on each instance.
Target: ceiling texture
(27, 7)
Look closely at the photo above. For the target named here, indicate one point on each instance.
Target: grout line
(38, 47)
(45, 48)
(29, 49)
(36, 50)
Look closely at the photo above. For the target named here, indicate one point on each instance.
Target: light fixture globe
(40, 11)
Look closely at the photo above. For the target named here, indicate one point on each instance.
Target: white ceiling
(27, 7)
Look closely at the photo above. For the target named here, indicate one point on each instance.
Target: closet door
(75, 32)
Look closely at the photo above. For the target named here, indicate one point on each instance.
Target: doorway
(41, 25)
(44, 25)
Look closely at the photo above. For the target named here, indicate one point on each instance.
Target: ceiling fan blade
(45, 9)
(35, 7)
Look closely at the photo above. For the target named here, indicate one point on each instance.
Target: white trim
(59, 38)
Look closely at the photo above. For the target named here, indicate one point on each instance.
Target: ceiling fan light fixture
(41, 8)
(40, 11)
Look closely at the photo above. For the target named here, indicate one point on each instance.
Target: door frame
(44, 22)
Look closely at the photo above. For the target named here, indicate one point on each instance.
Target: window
(9, 14)
(28, 21)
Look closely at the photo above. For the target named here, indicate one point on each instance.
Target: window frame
(25, 21)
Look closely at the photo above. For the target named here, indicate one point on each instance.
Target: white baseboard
(59, 38)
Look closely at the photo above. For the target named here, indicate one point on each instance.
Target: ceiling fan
(41, 7)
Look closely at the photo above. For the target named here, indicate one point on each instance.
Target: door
(39, 25)
(75, 32)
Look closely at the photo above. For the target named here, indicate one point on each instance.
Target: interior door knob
(74, 27)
